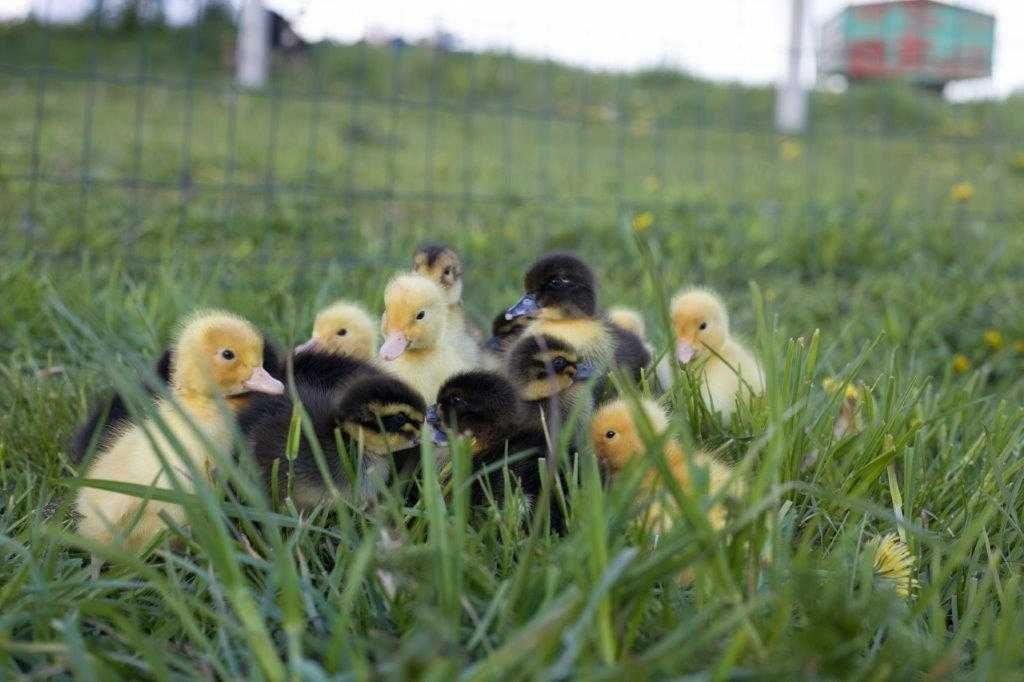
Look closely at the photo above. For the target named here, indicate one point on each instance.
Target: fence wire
(133, 140)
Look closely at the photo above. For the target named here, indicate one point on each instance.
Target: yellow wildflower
(894, 563)
(642, 221)
(962, 192)
(790, 150)
(832, 384)
(961, 363)
(994, 339)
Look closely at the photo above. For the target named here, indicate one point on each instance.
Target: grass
(842, 254)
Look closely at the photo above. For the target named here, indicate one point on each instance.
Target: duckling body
(701, 328)
(484, 407)
(217, 355)
(618, 443)
(442, 264)
(328, 371)
(111, 417)
(352, 415)
(561, 300)
(419, 348)
(551, 380)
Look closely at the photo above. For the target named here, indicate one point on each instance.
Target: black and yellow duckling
(504, 333)
(442, 264)
(484, 408)
(217, 355)
(376, 414)
(551, 380)
(111, 416)
(561, 298)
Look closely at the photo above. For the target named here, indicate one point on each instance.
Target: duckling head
(382, 413)
(542, 366)
(220, 354)
(504, 332)
(699, 322)
(342, 328)
(414, 315)
(615, 435)
(628, 319)
(441, 264)
(482, 406)
(558, 286)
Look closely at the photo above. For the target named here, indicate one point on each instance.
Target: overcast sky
(742, 40)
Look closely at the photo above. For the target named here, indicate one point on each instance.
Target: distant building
(925, 42)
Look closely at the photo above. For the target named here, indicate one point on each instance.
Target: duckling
(504, 333)
(441, 264)
(418, 345)
(701, 328)
(342, 328)
(375, 412)
(629, 319)
(217, 355)
(552, 382)
(561, 294)
(617, 442)
(484, 407)
(110, 416)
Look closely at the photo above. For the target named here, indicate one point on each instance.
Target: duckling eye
(342, 332)
(448, 270)
(703, 326)
(559, 364)
(609, 435)
(421, 314)
(227, 354)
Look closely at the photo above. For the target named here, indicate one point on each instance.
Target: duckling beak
(394, 345)
(432, 416)
(493, 344)
(312, 344)
(584, 370)
(527, 305)
(440, 437)
(262, 382)
(685, 351)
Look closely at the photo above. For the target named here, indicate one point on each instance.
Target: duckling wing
(630, 352)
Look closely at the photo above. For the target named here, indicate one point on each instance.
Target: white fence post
(253, 45)
(790, 98)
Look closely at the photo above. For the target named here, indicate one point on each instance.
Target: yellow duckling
(342, 328)
(700, 325)
(617, 442)
(217, 355)
(418, 346)
(441, 264)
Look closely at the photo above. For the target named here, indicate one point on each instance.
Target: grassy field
(884, 248)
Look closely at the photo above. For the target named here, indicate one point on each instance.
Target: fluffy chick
(618, 443)
(375, 414)
(441, 264)
(484, 408)
(700, 325)
(418, 344)
(217, 355)
(342, 328)
(504, 333)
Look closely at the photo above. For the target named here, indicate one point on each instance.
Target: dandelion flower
(962, 192)
(643, 221)
(790, 150)
(994, 339)
(961, 363)
(832, 385)
(894, 563)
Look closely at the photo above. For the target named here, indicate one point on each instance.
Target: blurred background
(844, 156)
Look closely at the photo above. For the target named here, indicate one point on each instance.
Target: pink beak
(262, 382)
(312, 344)
(394, 345)
(684, 351)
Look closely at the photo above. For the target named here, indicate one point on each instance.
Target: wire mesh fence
(134, 140)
